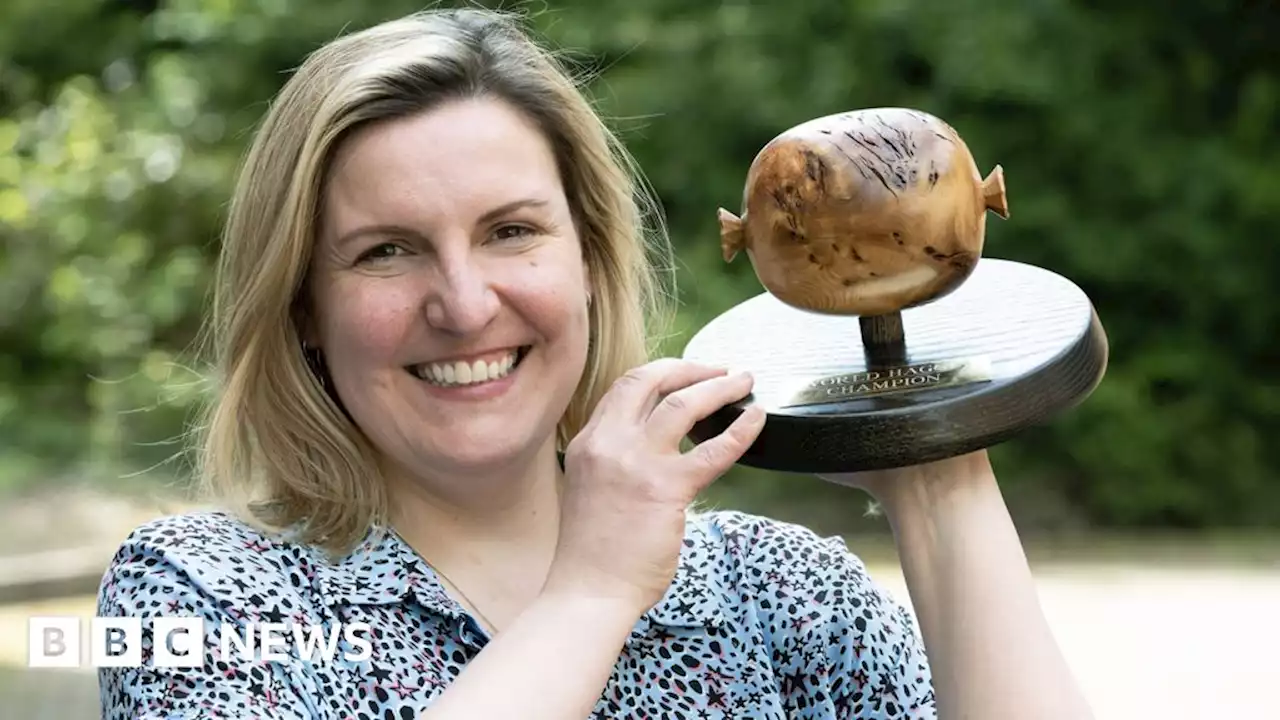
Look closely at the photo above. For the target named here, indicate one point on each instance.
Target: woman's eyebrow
(514, 205)
(381, 230)
(402, 231)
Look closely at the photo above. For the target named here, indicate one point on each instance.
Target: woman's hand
(622, 521)
(628, 484)
(909, 489)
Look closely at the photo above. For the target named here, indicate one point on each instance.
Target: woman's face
(450, 293)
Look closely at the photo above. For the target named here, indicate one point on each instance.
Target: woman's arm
(990, 648)
(622, 524)
(551, 663)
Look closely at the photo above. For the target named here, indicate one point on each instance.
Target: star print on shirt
(765, 620)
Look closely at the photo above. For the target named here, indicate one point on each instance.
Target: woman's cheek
(374, 319)
(552, 302)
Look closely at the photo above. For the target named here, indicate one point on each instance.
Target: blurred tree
(1140, 146)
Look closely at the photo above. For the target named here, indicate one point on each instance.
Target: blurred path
(1165, 643)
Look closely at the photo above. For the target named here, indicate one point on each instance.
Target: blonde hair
(275, 445)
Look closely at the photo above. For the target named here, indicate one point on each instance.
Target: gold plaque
(892, 380)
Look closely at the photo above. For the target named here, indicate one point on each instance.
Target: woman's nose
(463, 300)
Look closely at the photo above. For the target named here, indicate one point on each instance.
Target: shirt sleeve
(878, 666)
(150, 578)
(842, 646)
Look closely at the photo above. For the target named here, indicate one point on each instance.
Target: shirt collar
(384, 570)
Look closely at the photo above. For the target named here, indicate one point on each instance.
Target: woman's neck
(483, 524)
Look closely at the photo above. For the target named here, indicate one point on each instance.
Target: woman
(437, 418)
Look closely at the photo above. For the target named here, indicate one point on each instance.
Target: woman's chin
(481, 452)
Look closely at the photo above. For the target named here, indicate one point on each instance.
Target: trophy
(883, 340)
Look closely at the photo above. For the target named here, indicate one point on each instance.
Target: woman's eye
(511, 232)
(382, 251)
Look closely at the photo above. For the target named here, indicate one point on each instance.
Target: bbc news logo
(57, 642)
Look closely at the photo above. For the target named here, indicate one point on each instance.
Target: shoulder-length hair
(275, 445)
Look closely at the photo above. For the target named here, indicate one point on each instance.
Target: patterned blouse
(763, 620)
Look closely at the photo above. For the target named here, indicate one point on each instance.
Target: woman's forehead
(479, 152)
(474, 136)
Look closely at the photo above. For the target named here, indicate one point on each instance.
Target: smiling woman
(437, 418)
(446, 247)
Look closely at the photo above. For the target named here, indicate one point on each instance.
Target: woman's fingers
(676, 413)
(628, 485)
(714, 456)
(635, 394)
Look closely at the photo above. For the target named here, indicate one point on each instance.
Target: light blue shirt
(764, 620)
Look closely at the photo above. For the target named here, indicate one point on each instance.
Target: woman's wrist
(616, 612)
(934, 489)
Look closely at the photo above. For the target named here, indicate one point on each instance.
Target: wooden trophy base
(1011, 348)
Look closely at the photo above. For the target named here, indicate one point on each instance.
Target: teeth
(462, 373)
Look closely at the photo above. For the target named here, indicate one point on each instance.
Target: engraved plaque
(891, 380)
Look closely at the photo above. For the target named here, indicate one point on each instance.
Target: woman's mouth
(461, 373)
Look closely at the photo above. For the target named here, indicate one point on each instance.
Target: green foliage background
(1140, 143)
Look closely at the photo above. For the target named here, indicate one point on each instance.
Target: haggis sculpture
(864, 213)
(876, 220)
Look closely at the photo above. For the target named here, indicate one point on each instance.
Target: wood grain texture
(1035, 330)
(864, 212)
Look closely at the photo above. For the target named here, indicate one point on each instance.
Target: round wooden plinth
(1011, 348)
